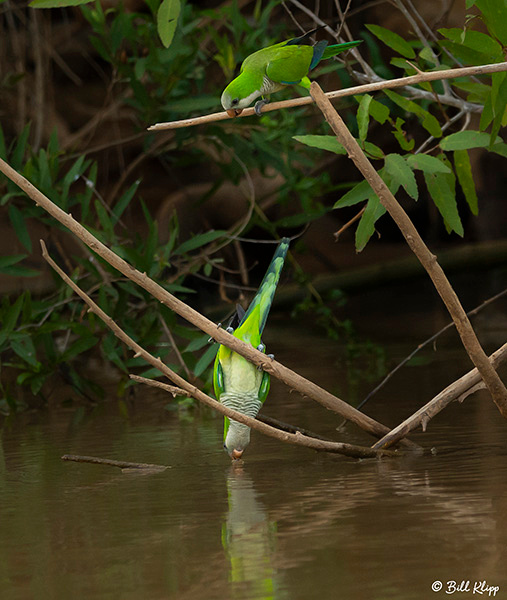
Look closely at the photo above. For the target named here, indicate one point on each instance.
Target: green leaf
(428, 121)
(82, 344)
(393, 40)
(205, 360)
(363, 116)
(359, 193)
(188, 105)
(57, 3)
(197, 344)
(24, 348)
(18, 222)
(366, 227)
(167, 20)
(495, 15)
(401, 136)
(199, 240)
(323, 142)
(463, 170)
(104, 219)
(373, 151)
(12, 314)
(401, 172)
(7, 261)
(124, 201)
(441, 189)
(379, 111)
(487, 49)
(500, 149)
(498, 103)
(19, 149)
(464, 140)
(426, 163)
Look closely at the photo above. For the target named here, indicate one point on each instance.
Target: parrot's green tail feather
(337, 48)
(259, 307)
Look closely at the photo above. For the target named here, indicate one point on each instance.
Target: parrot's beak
(236, 454)
(234, 112)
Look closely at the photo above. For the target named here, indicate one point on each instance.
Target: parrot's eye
(235, 101)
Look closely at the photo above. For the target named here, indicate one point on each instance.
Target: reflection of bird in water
(248, 538)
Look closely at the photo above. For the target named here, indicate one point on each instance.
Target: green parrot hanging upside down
(271, 69)
(238, 383)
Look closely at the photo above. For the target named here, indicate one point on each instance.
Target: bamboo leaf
(18, 222)
(199, 240)
(205, 360)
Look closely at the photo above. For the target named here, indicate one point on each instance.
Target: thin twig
(358, 89)
(425, 343)
(172, 389)
(456, 391)
(428, 260)
(343, 228)
(172, 341)
(289, 377)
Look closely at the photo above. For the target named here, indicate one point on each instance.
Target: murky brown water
(287, 524)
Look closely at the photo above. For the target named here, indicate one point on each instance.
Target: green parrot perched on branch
(238, 383)
(271, 69)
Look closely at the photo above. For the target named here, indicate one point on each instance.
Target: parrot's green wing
(289, 64)
(252, 324)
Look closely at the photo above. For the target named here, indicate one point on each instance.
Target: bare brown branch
(358, 89)
(297, 438)
(428, 260)
(458, 390)
(289, 377)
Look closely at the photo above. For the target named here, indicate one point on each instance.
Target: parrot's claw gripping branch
(354, 91)
(259, 105)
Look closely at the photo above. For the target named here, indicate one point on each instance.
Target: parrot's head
(239, 94)
(236, 439)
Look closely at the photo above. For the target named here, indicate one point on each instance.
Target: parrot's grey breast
(269, 86)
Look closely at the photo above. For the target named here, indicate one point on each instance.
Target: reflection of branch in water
(248, 538)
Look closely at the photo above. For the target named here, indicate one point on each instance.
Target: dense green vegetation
(163, 64)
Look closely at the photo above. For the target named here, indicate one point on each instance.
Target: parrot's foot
(261, 347)
(229, 329)
(259, 105)
(271, 356)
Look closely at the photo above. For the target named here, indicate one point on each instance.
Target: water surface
(287, 523)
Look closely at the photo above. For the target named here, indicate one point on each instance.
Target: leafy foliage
(450, 161)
